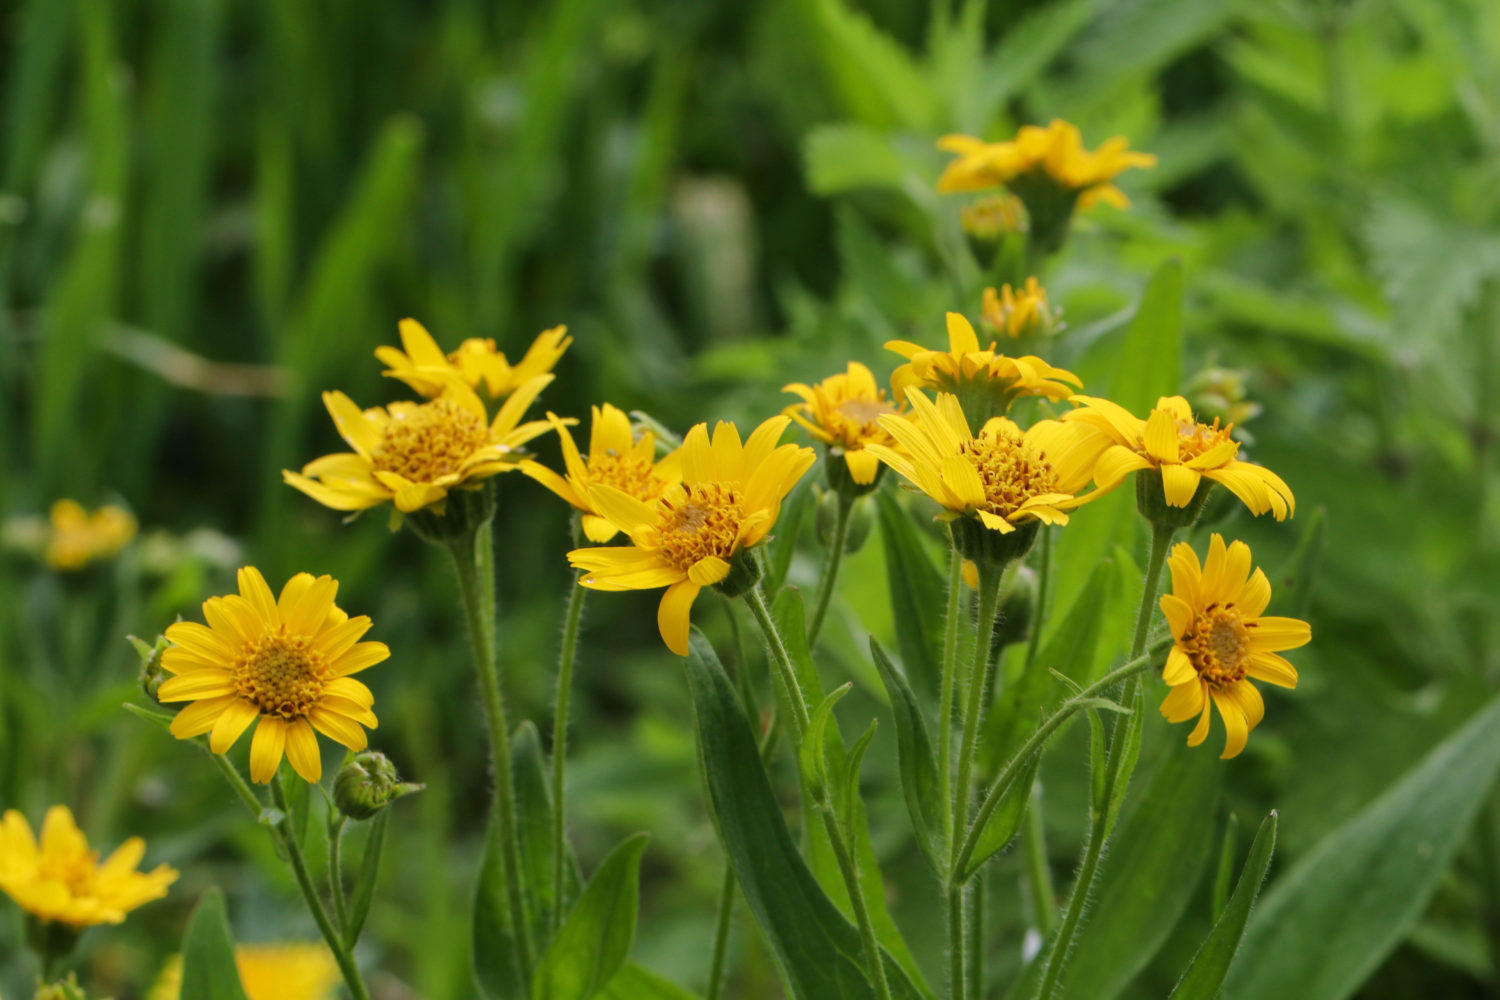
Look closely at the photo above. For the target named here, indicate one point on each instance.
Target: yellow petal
(597, 529)
(1237, 730)
(961, 336)
(1273, 634)
(253, 588)
(1179, 669)
(673, 615)
(196, 685)
(708, 571)
(1179, 483)
(361, 657)
(266, 749)
(339, 728)
(231, 724)
(1272, 669)
(1161, 437)
(1179, 615)
(1184, 701)
(621, 509)
(862, 466)
(302, 751)
(199, 717)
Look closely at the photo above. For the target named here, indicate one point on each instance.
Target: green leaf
(364, 882)
(818, 951)
(876, 79)
(1028, 47)
(850, 811)
(1149, 875)
(843, 157)
(812, 755)
(1149, 364)
(1295, 584)
(636, 983)
(1006, 819)
(783, 544)
(918, 594)
(1334, 916)
(914, 755)
(208, 968)
(595, 939)
(1226, 864)
(1205, 976)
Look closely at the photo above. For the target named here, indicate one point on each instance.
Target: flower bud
(1017, 607)
(860, 521)
(66, 989)
(367, 784)
(150, 676)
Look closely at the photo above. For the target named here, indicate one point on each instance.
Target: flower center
(703, 520)
(281, 674)
(1011, 472)
(864, 411)
(426, 442)
(1218, 645)
(76, 871)
(1193, 439)
(627, 474)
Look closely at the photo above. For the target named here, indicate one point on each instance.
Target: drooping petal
(673, 615)
(302, 751)
(266, 748)
(1184, 701)
(1237, 729)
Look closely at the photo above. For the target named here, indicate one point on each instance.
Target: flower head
(986, 382)
(425, 367)
(77, 538)
(1054, 155)
(1222, 641)
(57, 879)
(413, 454)
(267, 972)
(1002, 476)
(1019, 313)
(284, 662)
(685, 540)
(1184, 451)
(843, 411)
(992, 216)
(616, 458)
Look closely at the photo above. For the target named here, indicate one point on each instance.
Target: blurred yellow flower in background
(1222, 640)
(267, 972)
(616, 458)
(992, 216)
(1055, 154)
(286, 662)
(729, 498)
(428, 370)
(1019, 313)
(1184, 451)
(58, 879)
(77, 538)
(413, 454)
(843, 411)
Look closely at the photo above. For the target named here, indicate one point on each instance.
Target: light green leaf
(369, 874)
(595, 939)
(208, 969)
(845, 157)
(914, 755)
(812, 755)
(1330, 921)
(918, 594)
(1006, 819)
(1205, 976)
(636, 983)
(877, 80)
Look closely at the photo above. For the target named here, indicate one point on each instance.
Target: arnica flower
(286, 662)
(843, 411)
(686, 540)
(267, 972)
(1054, 155)
(1184, 451)
(616, 458)
(1001, 476)
(59, 880)
(1222, 641)
(425, 367)
(78, 538)
(985, 382)
(1019, 313)
(413, 454)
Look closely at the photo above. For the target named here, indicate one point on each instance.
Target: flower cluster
(77, 538)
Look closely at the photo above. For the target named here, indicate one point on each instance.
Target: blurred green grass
(717, 199)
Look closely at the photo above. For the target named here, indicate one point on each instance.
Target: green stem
(976, 937)
(560, 744)
(849, 868)
(336, 873)
(945, 697)
(756, 600)
(1038, 615)
(957, 973)
(1057, 955)
(721, 934)
(341, 955)
(831, 565)
(237, 782)
(989, 605)
(1017, 762)
(1038, 871)
(474, 560)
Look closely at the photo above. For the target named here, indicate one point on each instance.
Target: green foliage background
(212, 210)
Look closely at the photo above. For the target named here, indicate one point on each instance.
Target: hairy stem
(945, 697)
(831, 563)
(560, 743)
(849, 868)
(755, 598)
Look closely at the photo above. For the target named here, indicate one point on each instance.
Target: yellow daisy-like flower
(59, 880)
(1002, 476)
(77, 538)
(1223, 640)
(843, 411)
(728, 500)
(985, 381)
(425, 367)
(616, 458)
(1054, 154)
(1017, 313)
(413, 454)
(267, 972)
(286, 662)
(1184, 451)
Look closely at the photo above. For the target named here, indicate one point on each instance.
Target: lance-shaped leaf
(208, 968)
(594, 941)
(918, 598)
(1204, 978)
(914, 755)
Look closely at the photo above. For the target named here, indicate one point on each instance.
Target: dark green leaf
(918, 594)
(850, 810)
(811, 756)
(1205, 976)
(208, 967)
(795, 510)
(595, 939)
(635, 983)
(1225, 874)
(1006, 819)
(914, 754)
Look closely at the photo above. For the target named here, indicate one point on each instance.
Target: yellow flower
(286, 663)
(1023, 313)
(1222, 641)
(77, 537)
(1186, 452)
(413, 454)
(728, 500)
(992, 216)
(425, 367)
(267, 972)
(844, 411)
(1054, 154)
(986, 382)
(60, 880)
(615, 459)
(1002, 476)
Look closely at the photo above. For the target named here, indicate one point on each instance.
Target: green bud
(150, 675)
(367, 784)
(861, 520)
(67, 989)
(1017, 607)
